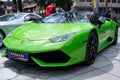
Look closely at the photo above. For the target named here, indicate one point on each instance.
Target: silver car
(11, 21)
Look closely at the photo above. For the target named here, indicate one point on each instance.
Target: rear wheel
(115, 37)
(91, 50)
(1, 39)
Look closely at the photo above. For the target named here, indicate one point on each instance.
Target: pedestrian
(108, 13)
(51, 9)
(2, 12)
(59, 9)
(114, 16)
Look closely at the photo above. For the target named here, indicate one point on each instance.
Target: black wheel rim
(116, 35)
(92, 47)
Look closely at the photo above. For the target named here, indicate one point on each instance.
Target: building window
(82, 0)
(88, 0)
(101, 0)
(108, 1)
(113, 1)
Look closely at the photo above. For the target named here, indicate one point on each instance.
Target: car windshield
(71, 17)
(55, 18)
(10, 17)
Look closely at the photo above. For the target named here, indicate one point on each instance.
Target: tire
(2, 36)
(91, 49)
(115, 37)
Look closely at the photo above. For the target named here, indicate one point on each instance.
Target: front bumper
(52, 59)
(71, 53)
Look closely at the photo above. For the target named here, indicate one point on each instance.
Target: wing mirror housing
(101, 19)
(29, 19)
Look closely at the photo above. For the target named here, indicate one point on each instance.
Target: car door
(103, 29)
(106, 29)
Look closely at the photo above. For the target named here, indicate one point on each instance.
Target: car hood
(38, 31)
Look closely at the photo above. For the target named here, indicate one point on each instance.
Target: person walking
(114, 16)
(2, 12)
(108, 13)
(51, 9)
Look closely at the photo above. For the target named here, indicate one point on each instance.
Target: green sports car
(62, 39)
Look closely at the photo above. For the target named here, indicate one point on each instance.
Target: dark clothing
(68, 7)
(53, 10)
(114, 16)
(50, 10)
(115, 19)
(108, 14)
(2, 11)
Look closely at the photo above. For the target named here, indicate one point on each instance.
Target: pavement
(106, 67)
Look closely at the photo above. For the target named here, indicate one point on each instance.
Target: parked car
(11, 21)
(62, 39)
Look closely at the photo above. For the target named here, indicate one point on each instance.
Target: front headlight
(61, 38)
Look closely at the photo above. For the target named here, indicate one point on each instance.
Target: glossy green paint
(35, 38)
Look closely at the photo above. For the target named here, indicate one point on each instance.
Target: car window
(11, 17)
(18, 16)
(55, 18)
(80, 17)
(7, 17)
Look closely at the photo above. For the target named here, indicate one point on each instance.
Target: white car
(20, 17)
(11, 21)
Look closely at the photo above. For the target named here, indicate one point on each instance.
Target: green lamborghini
(61, 39)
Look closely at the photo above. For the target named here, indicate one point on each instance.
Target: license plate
(17, 56)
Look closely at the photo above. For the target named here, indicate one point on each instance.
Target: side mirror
(101, 19)
(29, 19)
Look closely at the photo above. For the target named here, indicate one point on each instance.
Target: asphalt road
(106, 67)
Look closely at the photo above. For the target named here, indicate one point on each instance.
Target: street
(106, 67)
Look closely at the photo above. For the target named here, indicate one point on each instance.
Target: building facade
(87, 4)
